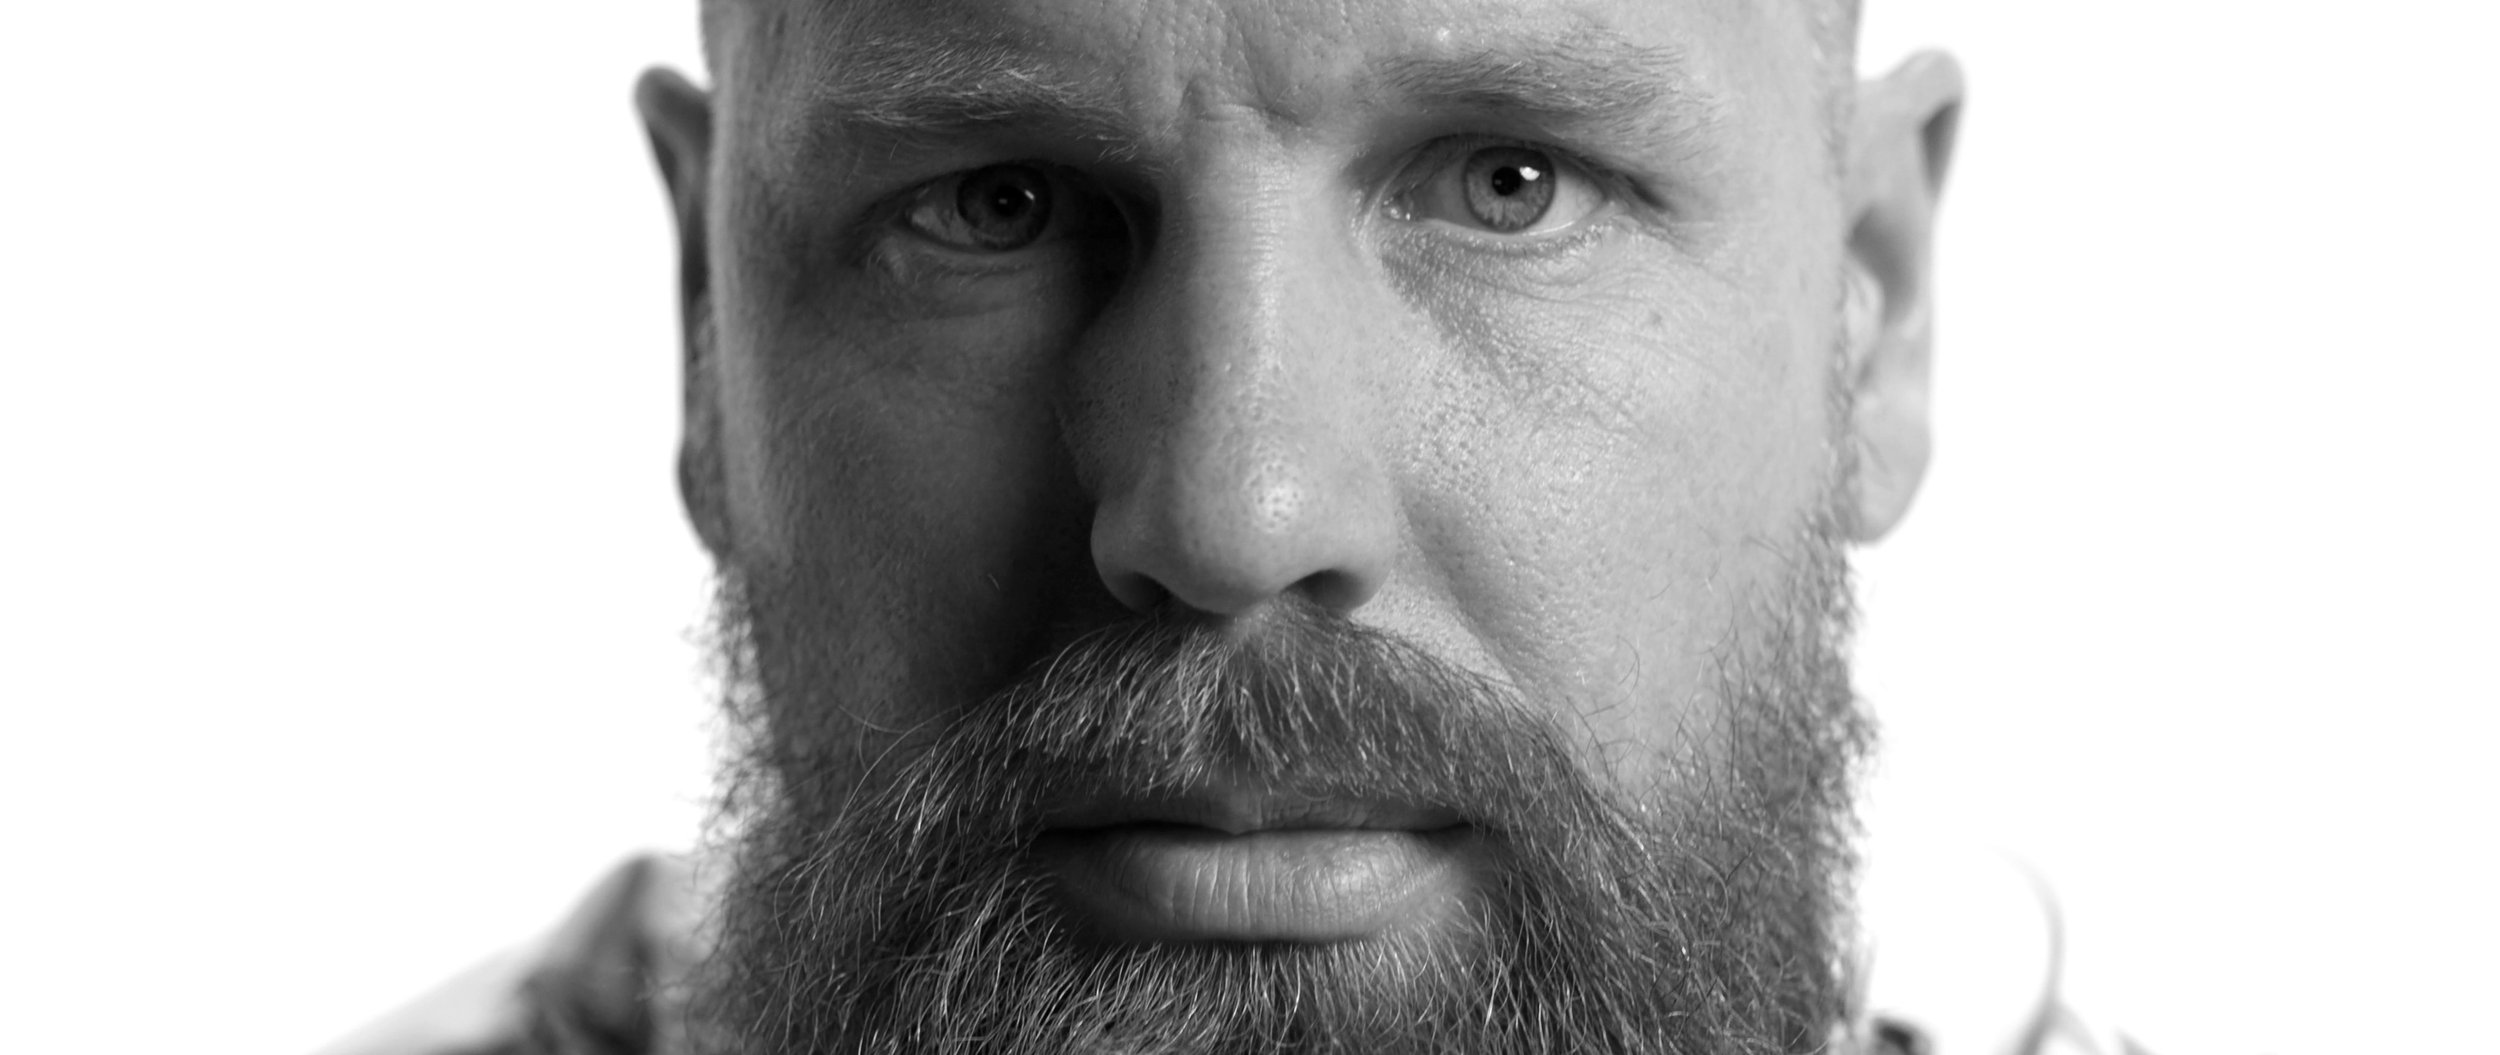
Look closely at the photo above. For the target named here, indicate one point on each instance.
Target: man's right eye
(1004, 208)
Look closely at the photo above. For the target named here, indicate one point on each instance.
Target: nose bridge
(1247, 366)
(1253, 470)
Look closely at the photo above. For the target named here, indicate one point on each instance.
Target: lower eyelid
(1454, 245)
(1603, 214)
(908, 261)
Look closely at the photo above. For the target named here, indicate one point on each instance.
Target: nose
(1236, 413)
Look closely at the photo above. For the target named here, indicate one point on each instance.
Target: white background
(343, 600)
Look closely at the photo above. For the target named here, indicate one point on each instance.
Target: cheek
(1609, 479)
(899, 476)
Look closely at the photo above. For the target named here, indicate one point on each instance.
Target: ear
(1899, 145)
(678, 117)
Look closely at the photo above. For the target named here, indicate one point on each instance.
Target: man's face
(1241, 502)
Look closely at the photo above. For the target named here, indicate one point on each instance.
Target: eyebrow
(1589, 78)
(920, 86)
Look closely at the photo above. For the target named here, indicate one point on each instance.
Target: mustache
(881, 895)
(1307, 702)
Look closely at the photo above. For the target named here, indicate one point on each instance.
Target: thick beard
(898, 909)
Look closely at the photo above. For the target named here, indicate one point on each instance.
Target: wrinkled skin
(1273, 351)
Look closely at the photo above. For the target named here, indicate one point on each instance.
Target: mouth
(1246, 863)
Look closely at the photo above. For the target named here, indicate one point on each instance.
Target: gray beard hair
(896, 909)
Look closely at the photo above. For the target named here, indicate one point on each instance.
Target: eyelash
(1413, 175)
(1428, 163)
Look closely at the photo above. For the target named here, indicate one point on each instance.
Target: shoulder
(593, 984)
(1961, 952)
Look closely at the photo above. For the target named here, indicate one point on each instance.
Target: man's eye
(997, 209)
(1504, 190)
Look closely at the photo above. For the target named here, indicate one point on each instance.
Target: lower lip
(1163, 882)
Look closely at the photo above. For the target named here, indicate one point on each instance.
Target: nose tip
(1225, 537)
(1232, 405)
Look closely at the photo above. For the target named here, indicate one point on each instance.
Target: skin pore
(1435, 424)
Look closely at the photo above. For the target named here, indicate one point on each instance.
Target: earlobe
(678, 117)
(1900, 144)
(702, 474)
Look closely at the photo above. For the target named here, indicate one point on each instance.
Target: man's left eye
(1506, 189)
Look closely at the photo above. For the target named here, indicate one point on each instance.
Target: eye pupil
(1011, 202)
(1004, 206)
(1506, 187)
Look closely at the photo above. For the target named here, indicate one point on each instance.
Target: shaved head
(1836, 24)
(1258, 526)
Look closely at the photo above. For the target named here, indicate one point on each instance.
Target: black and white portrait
(1240, 526)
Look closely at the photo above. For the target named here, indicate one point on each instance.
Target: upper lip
(1241, 807)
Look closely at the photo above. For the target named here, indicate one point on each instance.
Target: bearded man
(1276, 525)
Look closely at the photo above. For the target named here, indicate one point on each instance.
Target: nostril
(1335, 590)
(1136, 592)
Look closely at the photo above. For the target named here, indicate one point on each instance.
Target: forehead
(1143, 67)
